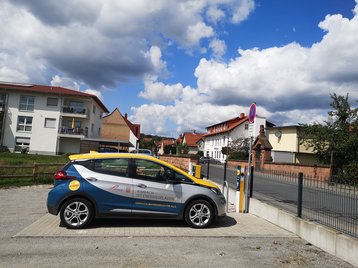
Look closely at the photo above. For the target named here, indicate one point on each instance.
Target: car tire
(199, 214)
(76, 213)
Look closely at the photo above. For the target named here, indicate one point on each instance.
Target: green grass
(25, 159)
(15, 160)
(18, 182)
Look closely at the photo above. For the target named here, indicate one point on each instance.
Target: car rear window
(112, 166)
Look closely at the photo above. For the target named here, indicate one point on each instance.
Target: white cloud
(64, 82)
(159, 92)
(215, 14)
(153, 117)
(218, 47)
(98, 42)
(242, 11)
(291, 84)
(94, 92)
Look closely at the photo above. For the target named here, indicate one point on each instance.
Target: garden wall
(180, 161)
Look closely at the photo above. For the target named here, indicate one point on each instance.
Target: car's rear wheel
(76, 213)
(199, 214)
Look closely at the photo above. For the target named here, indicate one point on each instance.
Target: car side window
(112, 166)
(182, 178)
(148, 170)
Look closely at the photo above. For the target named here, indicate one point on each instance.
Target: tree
(170, 149)
(336, 141)
(183, 149)
(239, 149)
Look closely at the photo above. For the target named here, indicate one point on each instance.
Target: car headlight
(216, 191)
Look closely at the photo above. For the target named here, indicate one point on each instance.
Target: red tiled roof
(135, 128)
(231, 124)
(51, 90)
(192, 138)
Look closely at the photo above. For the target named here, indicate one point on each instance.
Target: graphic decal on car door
(108, 180)
(154, 192)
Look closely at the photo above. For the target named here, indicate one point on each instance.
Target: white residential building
(47, 120)
(222, 134)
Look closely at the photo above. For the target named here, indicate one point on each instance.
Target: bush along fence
(36, 172)
(314, 198)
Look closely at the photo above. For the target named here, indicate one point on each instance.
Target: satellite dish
(278, 133)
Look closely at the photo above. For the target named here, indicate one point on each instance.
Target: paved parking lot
(30, 238)
(234, 225)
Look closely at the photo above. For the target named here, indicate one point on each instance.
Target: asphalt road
(319, 203)
(22, 206)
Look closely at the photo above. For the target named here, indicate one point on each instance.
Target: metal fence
(318, 199)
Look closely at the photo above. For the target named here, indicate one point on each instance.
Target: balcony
(73, 132)
(74, 112)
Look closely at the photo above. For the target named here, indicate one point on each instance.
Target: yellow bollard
(242, 187)
(197, 171)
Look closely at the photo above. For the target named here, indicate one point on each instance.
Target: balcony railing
(74, 131)
(74, 110)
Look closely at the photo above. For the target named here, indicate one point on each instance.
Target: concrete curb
(329, 240)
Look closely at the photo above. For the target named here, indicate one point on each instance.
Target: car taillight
(61, 175)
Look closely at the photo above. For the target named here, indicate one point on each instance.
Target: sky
(180, 65)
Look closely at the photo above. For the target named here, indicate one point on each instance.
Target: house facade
(163, 143)
(190, 139)
(47, 120)
(222, 134)
(115, 126)
(287, 148)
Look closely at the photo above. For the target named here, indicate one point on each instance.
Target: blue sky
(175, 66)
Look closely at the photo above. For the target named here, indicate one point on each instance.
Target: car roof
(97, 155)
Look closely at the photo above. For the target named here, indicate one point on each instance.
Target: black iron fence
(315, 198)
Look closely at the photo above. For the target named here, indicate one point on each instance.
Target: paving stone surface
(233, 225)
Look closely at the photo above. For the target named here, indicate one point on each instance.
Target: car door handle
(91, 179)
(141, 185)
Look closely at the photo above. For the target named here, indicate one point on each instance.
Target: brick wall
(179, 161)
(314, 171)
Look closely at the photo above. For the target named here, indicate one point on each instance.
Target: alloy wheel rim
(76, 213)
(199, 214)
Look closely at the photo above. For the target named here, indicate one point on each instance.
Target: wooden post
(34, 174)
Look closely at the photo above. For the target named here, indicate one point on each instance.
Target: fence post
(34, 171)
(207, 171)
(251, 180)
(225, 164)
(299, 195)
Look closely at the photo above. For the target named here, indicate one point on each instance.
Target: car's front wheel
(76, 213)
(199, 214)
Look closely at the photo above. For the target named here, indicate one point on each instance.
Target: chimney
(242, 115)
(125, 115)
(194, 131)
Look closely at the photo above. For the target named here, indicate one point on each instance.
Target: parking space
(234, 225)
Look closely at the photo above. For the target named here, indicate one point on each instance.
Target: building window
(246, 126)
(94, 109)
(22, 144)
(99, 132)
(50, 122)
(52, 102)
(24, 123)
(92, 127)
(27, 103)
